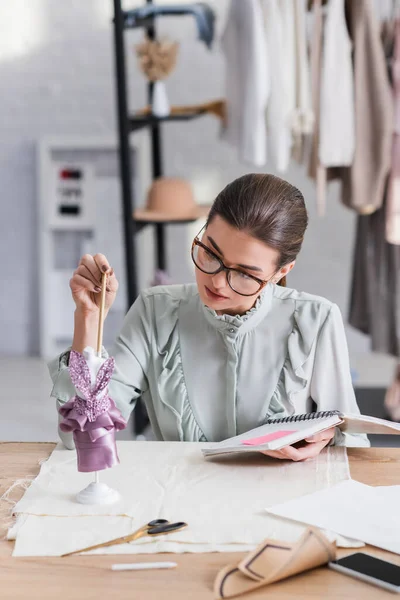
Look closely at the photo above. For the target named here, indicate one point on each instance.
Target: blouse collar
(240, 324)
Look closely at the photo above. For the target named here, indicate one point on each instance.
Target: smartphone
(370, 569)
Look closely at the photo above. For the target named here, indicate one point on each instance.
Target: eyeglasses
(240, 282)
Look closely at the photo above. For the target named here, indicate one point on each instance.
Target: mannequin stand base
(97, 493)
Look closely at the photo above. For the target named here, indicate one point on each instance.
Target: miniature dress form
(92, 415)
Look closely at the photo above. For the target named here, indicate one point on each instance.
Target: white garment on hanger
(280, 28)
(303, 118)
(337, 120)
(247, 81)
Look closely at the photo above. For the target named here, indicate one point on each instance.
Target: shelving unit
(127, 124)
(124, 20)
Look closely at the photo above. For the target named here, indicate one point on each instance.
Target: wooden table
(90, 577)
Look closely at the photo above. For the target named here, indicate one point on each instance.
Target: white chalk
(143, 565)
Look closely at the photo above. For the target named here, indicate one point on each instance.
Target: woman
(217, 358)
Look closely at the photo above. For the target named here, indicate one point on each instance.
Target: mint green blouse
(205, 377)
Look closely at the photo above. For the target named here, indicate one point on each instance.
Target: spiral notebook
(277, 433)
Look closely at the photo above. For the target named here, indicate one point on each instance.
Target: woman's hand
(309, 448)
(85, 284)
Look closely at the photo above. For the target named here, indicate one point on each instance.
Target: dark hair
(269, 209)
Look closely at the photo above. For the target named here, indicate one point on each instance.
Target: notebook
(277, 433)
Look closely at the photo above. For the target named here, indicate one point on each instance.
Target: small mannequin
(93, 417)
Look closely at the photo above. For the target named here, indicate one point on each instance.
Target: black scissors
(154, 528)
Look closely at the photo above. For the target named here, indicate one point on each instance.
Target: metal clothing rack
(128, 124)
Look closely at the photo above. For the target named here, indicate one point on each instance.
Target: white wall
(57, 73)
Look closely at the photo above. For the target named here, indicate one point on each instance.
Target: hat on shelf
(171, 199)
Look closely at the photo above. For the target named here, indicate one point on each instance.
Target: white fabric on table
(222, 501)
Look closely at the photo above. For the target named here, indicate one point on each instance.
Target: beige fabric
(222, 501)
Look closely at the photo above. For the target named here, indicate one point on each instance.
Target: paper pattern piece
(264, 439)
(353, 509)
(170, 480)
(272, 561)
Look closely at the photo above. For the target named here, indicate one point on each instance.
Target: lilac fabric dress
(92, 415)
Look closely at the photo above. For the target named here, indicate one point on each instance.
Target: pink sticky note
(270, 437)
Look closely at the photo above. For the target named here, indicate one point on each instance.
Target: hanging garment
(268, 91)
(247, 81)
(280, 30)
(375, 294)
(393, 199)
(315, 169)
(364, 182)
(303, 117)
(337, 126)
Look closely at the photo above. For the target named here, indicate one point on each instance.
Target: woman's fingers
(298, 454)
(88, 278)
(328, 434)
(291, 453)
(82, 282)
(93, 267)
(311, 450)
(84, 272)
(88, 262)
(102, 263)
(287, 453)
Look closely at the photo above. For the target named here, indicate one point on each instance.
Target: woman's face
(239, 250)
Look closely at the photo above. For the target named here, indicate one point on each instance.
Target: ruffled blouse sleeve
(331, 385)
(131, 352)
